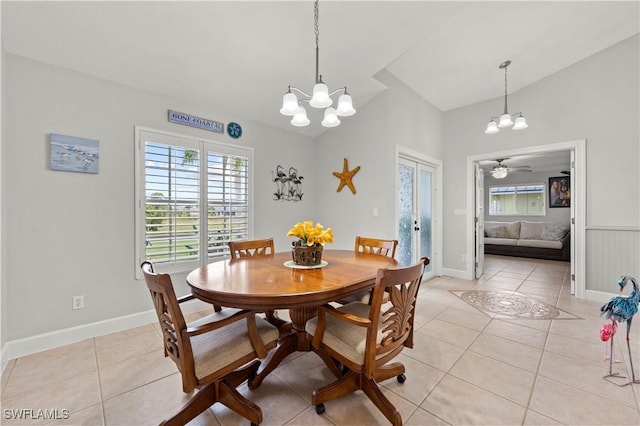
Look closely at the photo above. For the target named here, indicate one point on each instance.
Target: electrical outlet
(77, 302)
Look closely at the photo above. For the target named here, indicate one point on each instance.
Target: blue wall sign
(190, 120)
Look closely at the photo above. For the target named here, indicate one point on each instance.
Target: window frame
(515, 186)
(204, 146)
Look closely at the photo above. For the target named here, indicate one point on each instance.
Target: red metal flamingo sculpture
(607, 331)
(620, 309)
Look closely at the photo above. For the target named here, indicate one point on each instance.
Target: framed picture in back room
(560, 191)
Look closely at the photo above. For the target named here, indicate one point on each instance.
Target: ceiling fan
(500, 171)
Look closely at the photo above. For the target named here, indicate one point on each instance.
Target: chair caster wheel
(320, 408)
(401, 378)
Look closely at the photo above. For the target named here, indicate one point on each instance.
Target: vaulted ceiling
(239, 57)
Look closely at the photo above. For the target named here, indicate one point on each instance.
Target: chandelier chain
(505, 89)
(316, 12)
(315, 22)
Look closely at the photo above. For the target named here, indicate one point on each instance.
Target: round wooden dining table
(266, 283)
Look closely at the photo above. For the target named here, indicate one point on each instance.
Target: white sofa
(541, 240)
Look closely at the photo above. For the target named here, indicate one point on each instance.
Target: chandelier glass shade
(506, 119)
(321, 97)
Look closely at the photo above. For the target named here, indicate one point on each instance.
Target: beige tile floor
(473, 363)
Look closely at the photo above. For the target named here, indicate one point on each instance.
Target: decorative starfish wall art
(346, 176)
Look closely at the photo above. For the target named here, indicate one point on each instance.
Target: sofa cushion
(540, 244)
(554, 231)
(502, 229)
(500, 241)
(531, 230)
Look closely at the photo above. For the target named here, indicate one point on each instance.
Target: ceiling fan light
(320, 97)
(492, 127)
(289, 104)
(330, 118)
(505, 120)
(300, 118)
(499, 174)
(520, 123)
(345, 106)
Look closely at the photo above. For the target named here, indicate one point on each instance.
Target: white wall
(368, 139)
(72, 233)
(595, 99)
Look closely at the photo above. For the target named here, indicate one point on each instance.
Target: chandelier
(291, 105)
(506, 119)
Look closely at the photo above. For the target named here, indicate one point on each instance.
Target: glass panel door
(415, 212)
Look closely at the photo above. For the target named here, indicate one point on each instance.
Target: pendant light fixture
(506, 119)
(291, 105)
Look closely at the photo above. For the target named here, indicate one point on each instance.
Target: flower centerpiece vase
(305, 255)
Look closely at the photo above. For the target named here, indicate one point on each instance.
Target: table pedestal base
(294, 341)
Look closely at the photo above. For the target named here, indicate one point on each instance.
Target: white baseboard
(455, 273)
(599, 296)
(29, 345)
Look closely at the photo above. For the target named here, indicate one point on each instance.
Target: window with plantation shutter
(193, 198)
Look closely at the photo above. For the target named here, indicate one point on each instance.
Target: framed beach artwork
(560, 191)
(74, 154)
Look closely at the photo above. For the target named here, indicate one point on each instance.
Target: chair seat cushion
(217, 349)
(347, 339)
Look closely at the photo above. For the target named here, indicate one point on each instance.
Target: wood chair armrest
(254, 337)
(343, 316)
(214, 325)
(188, 297)
(322, 322)
(185, 298)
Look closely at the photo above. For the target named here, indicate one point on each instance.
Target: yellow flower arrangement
(310, 235)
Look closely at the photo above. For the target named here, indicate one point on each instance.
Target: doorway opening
(475, 211)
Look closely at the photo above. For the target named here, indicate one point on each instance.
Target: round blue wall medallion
(234, 130)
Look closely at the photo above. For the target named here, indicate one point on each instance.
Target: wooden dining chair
(372, 246)
(253, 248)
(363, 338)
(214, 354)
(376, 246)
(250, 248)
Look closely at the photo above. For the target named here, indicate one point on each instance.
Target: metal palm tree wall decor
(288, 186)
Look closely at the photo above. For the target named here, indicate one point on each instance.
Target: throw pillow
(554, 231)
(531, 230)
(513, 230)
(497, 232)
